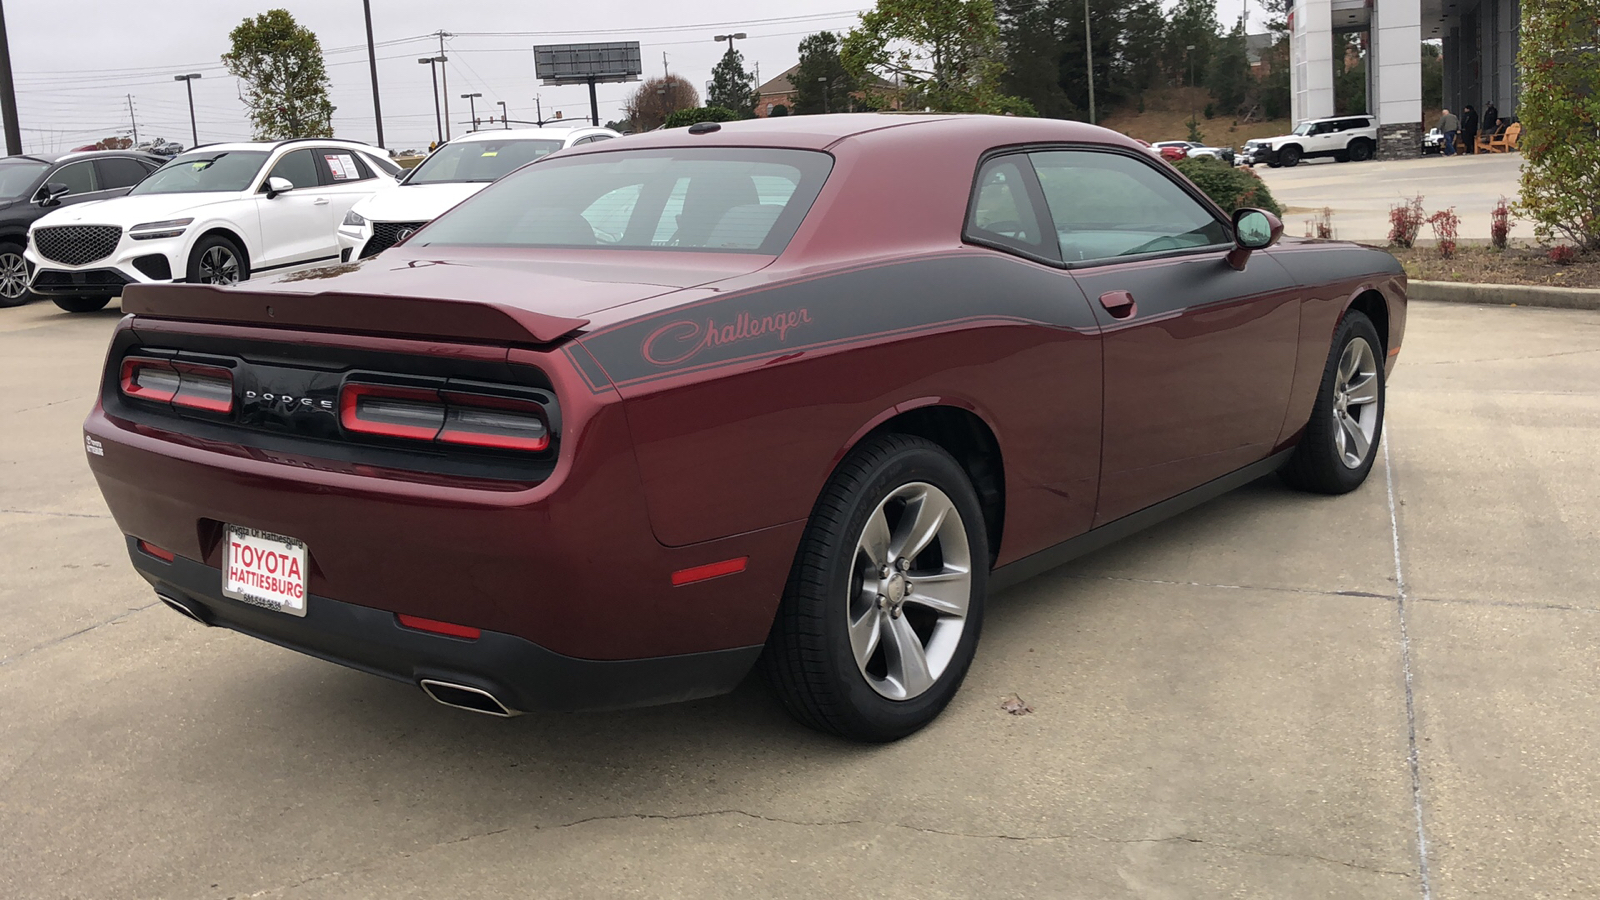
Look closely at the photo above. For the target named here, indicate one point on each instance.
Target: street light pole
(442, 34)
(188, 82)
(8, 93)
(823, 80)
(472, 107)
(730, 38)
(505, 121)
(372, 60)
(432, 62)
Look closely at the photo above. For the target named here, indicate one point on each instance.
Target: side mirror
(52, 192)
(276, 186)
(1253, 229)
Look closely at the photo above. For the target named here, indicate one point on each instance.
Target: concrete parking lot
(1393, 694)
(1360, 194)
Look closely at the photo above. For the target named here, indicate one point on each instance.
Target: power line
(665, 29)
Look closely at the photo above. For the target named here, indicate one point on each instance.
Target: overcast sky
(75, 61)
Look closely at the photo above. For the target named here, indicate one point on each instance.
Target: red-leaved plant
(1405, 221)
(1500, 225)
(1563, 254)
(1445, 224)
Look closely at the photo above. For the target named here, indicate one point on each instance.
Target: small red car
(800, 391)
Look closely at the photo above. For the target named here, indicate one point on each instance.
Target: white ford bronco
(1344, 138)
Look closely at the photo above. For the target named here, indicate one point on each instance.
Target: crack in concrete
(1456, 362)
(1405, 667)
(1235, 587)
(5, 661)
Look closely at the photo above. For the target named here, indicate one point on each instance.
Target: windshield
(17, 177)
(205, 171)
(722, 199)
(479, 161)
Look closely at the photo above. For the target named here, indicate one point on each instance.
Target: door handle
(1120, 304)
(321, 201)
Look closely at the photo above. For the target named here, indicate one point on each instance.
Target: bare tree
(658, 98)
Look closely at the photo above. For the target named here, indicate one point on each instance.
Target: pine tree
(821, 82)
(732, 88)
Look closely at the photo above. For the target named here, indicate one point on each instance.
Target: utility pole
(372, 60)
(504, 121)
(133, 120)
(445, 75)
(664, 72)
(472, 107)
(1088, 51)
(8, 93)
(538, 109)
(194, 131)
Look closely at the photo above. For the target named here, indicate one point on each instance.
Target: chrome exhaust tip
(467, 697)
(183, 608)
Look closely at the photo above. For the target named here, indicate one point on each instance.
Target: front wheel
(881, 614)
(217, 260)
(13, 276)
(1360, 151)
(1340, 442)
(1289, 157)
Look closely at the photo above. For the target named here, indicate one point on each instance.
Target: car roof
(524, 134)
(825, 131)
(269, 146)
(52, 158)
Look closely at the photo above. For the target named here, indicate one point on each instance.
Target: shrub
(1559, 62)
(1195, 134)
(1500, 225)
(778, 111)
(1563, 254)
(1405, 221)
(683, 118)
(1445, 224)
(1231, 187)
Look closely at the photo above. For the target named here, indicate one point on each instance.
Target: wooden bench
(1501, 143)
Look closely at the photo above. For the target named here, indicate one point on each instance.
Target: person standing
(1469, 130)
(1491, 119)
(1449, 125)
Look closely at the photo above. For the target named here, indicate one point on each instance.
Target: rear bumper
(523, 675)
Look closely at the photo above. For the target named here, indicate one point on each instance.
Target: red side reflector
(437, 627)
(157, 552)
(708, 572)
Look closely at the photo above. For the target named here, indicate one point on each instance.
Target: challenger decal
(678, 342)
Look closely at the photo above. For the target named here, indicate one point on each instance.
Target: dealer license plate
(265, 569)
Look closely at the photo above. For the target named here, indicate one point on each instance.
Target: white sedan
(448, 176)
(214, 215)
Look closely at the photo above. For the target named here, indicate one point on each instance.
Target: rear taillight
(179, 384)
(447, 416)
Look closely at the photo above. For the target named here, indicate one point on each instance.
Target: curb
(1505, 294)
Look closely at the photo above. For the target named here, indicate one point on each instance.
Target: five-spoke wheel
(217, 260)
(1338, 447)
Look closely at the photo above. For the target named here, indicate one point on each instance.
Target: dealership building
(1479, 39)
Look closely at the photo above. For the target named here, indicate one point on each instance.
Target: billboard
(585, 63)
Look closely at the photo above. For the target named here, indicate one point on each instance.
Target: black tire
(1289, 156)
(809, 660)
(1319, 463)
(1360, 151)
(13, 276)
(1274, 164)
(204, 261)
(82, 304)
(1341, 156)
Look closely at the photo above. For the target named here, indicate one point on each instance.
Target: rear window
(712, 199)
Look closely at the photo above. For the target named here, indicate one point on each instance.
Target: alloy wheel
(1355, 403)
(218, 265)
(13, 276)
(910, 591)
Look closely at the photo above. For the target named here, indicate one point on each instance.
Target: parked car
(450, 174)
(215, 215)
(1433, 141)
(1190, 149)
(1344, 138)
(34, 185)
(825, 384)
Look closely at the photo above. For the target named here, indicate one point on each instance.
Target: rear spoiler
(370, 314)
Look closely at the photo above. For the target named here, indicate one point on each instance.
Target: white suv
(1345, 138)
(215, 215)
(448, 176)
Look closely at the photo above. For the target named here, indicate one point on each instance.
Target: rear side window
(299, 167)
(78, 177)
(120, 172)
(712, 199)
(337, 166)
(1001, 211)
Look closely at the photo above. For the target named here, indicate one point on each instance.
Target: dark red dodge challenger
(800, 391)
